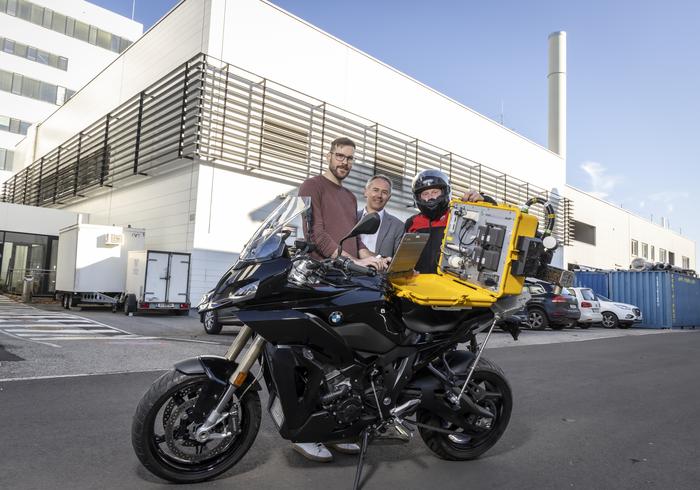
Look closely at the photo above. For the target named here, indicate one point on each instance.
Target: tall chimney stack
(556, 79)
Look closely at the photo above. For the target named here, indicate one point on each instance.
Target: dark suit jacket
(389, 234)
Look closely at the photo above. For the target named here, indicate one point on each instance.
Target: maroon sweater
(334, 212)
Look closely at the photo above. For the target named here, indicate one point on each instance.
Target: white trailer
(91, 262)
(157, 280)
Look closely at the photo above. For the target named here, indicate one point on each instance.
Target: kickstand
(361, 459)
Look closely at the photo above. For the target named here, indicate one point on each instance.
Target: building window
(5, 159)
(671, 258)
(662, 255)
(34, 89)
(635, 248)
(645, 250)
(584, 233)
(13, 125)
(42, 16)
(34, 54)
(686, 262)
(653, 255)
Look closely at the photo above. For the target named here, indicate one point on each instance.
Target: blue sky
(633, 79)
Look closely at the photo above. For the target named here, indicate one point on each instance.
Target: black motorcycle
(343, 360)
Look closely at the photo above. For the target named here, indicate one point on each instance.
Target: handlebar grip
(348, 265)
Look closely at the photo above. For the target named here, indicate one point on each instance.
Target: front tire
(481, 434)
(610, 320)
(162, 431)
(211, 323)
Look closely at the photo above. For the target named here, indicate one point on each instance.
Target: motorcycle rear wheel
(473, 440)
(161, 433)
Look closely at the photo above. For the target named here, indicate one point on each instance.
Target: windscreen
(266, 242)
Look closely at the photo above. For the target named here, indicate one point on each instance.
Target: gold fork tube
(238, 343)
(241, 373)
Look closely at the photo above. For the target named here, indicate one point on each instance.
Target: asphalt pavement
(615, 412)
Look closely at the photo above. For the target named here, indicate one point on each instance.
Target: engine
(341, 399)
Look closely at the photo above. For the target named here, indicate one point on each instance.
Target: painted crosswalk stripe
(29, 323)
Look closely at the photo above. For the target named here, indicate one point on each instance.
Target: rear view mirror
(366, 226)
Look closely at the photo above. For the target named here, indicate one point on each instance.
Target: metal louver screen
(214, 112)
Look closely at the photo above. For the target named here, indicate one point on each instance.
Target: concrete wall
(163, 206)
(615, 228)
(40, 221)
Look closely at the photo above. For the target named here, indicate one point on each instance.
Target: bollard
(27, 289)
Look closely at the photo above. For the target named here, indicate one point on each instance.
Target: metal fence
(214, 112)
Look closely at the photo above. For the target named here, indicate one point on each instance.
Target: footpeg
(404, 408)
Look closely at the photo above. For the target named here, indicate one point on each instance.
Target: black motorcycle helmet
(432, 179)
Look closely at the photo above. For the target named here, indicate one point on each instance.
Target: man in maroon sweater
(334, 213)
(334, 208)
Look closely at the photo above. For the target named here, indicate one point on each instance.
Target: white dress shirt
(370, 241)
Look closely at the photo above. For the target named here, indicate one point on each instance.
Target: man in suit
(386, 240)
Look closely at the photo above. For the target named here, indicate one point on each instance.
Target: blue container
(667, 300)
(597, 281)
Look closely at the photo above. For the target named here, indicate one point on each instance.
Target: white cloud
(602, 183)
(668, 199)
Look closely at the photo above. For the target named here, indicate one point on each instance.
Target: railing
(43, 281)
(215, 112)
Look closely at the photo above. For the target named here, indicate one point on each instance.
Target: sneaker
(346, 448)
(314, 451)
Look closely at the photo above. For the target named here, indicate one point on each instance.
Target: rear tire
(161, 431)
(477, 440)
(537, 319)
(130, 304)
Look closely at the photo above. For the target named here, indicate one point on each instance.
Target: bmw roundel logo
(336, 318)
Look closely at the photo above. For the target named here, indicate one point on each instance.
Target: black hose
(550, 215)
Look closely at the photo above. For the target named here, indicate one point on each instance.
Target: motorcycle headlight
(245, 292)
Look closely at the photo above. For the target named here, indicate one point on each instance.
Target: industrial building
(195, 131)
(48, 50)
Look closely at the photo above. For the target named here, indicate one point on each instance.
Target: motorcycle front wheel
(163, 428)
(492, 392)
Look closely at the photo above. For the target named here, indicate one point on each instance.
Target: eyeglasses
(341, 157)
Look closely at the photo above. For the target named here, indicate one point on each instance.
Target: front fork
(236, 380)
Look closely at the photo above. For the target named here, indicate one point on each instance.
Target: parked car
(547, 309)
(214, 320)
(618, 315)
(589, 306)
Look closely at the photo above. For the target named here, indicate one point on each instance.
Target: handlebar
(347, 265)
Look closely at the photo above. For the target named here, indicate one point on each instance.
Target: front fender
(216, 368)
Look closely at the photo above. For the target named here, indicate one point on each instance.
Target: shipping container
(597, 281)
(667, 299)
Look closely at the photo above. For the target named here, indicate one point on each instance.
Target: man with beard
(334, 213)
(333, 208)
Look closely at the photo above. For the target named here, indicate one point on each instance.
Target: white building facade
(222, 107)
(48, 51)
(608, 237)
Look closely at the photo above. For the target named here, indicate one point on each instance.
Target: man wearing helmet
(431, 191)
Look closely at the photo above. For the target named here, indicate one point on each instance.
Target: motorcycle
(343, 357)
